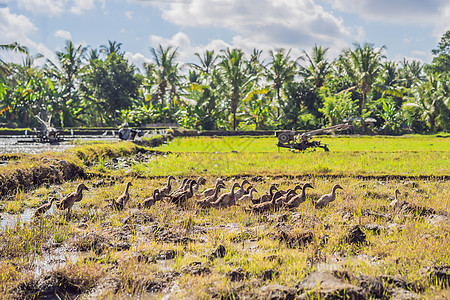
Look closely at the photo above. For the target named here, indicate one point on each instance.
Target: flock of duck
(208, 198)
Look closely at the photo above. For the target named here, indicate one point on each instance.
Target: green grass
(354, 156)
(335, 144)
(358, 163)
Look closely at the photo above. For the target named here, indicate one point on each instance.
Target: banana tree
(201, 107)
(258, 111)
(391, 115)
(337, 107)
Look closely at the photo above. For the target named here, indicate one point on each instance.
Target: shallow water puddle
(56, 258)
(328, 266)
(166, 265)
(11, 220)
(8, 220)
(335, 263)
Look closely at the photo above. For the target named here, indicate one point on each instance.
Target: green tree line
(228, 89)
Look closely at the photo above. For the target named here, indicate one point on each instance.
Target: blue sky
(408, 28)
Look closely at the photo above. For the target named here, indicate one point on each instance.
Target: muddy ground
(171, 251)
(358, 247)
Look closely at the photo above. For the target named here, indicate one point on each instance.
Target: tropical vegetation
(230, 89)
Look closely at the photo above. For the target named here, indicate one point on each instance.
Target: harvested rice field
(306, 239)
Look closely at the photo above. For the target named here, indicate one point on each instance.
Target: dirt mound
(326, 285)
(43, 171)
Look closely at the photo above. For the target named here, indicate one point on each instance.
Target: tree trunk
(363, 105)
(432, 123)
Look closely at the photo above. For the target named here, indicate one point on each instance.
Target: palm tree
(411, 72)
(318, 69)
(280, 70)
(208, 61)
(112, 47)
(67, 72)
(29, 60)
(236, 82)
(70, 65)
(254, 65)
(432, 99)
(388, 82)
(93, 54)
(14, 47)
(164, 73)
(363, 65)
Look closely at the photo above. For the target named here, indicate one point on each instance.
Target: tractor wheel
(283, 138)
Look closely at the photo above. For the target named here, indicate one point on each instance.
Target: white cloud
(44, 7)
(80, 6)
(180, 41)
(258, 23)
(435, 12)
(137, 59)
(58, 7)
(18, 28)
(129, 14)
(419, 53)
(63, 34)
(14, 28)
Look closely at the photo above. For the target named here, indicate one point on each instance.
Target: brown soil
(45, 171)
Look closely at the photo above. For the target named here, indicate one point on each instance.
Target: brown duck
(200, 181)
(297, 187)
(248, 196)
(266, 197)
(180, 189)
(241, 191)
(147, 203)
(265, 206)
(68, 201)
(286, 197)
(182, 197)
(395, 203)
(211, 191)
(206, 202)
(327, 198)
(123, 199)
(299, 199)
(227, 199)
(43, 208)
(168, 188)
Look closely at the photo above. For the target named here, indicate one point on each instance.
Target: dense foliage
(229, 90)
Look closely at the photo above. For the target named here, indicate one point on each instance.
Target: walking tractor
(47, 133)
(302, 141)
